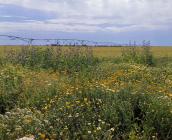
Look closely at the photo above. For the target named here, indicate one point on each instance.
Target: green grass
(72, 93)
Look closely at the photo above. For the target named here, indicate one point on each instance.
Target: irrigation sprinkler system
(60, 42)
(71, 42)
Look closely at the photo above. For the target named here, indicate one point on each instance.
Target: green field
(114, 51)
(100, 93)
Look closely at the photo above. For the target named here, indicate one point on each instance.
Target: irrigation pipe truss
(72, 42)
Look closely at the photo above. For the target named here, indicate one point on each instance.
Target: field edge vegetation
(54, 93)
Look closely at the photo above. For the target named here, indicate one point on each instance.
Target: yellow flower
(68, 106)
(42, 136)
(170, 95)
(77, 102)
(85, 99)
(46, 107)
(67, 103)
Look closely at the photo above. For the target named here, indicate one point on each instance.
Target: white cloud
(41, 26)
(97, 15)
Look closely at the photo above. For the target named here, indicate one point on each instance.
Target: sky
(117, 21)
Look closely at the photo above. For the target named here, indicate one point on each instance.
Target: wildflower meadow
(70, 93)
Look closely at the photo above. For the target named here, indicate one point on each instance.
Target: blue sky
(101, 20)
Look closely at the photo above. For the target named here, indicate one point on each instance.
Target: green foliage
(10, 88)
(143, 55)
(69, 60)
(94, 114)
(69, 94)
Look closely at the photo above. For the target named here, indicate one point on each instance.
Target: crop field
(116, 51)
(84, 93)
(108, 52)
